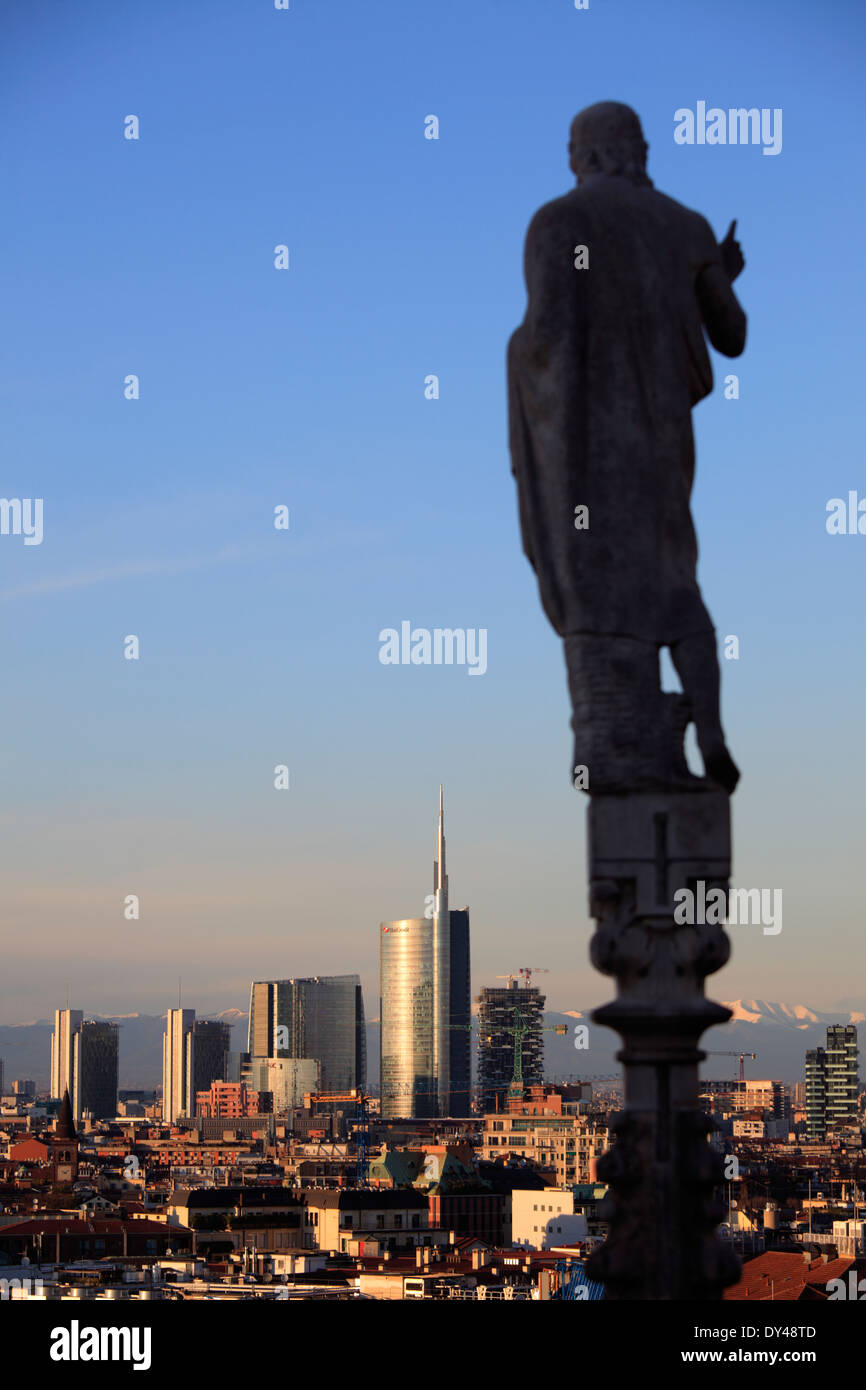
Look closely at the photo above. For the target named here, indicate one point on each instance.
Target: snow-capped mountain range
(779, 1034)
(794, 1015)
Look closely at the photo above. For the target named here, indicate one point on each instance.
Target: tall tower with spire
(64, 1146)
(441, 971)
(425, 1004)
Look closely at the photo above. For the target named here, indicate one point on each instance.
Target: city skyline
(369, 978)
(776, 1032)
(306, 388)
(425, 1002)
(402, 396)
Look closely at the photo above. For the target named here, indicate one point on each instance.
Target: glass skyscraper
(407, 1072)
(208, 1043)
(319, 1018)
(94, 1071)
(461, 1014)
(425, 1006)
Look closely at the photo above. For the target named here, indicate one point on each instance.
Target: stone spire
(65, 1128)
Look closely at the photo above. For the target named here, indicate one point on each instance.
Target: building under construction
(510, 1041)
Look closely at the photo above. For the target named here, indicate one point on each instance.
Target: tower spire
(440, 877)
(441, 970)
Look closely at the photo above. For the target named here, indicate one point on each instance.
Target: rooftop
(782, 1276)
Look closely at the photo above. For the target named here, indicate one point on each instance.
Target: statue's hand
(733, 259)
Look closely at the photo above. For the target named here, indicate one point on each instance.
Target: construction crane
(742, 1056)
(519, 1028)
(527, 971)
(576, 1078)
(362, 1124)
(524, 975)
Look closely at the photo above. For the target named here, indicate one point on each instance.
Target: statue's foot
(720, 767)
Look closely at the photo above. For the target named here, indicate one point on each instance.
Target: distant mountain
(792, 1015)
(779, 1034)
(26, 1047)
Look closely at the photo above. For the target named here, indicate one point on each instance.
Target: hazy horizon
(305, 388)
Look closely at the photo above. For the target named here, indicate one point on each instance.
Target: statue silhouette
(603, 373)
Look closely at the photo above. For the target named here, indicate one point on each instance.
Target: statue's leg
(617, 711)
(628, 733)
(697, 666)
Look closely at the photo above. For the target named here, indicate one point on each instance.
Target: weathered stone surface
(602, 375)
(642, 849)
(663, 841)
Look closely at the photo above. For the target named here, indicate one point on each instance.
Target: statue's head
(607, 139)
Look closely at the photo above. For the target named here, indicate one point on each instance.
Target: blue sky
(306, 387)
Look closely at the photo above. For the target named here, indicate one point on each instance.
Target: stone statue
(603, 373)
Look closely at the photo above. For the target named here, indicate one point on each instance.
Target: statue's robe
(602, 377)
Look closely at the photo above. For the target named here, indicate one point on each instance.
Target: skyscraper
(320, 1018)
(425, 1005)
(832, 1082)
(94, 1071)
(66, 1024)
(816, 1092)
(461, 1014)
(441, 972)
(208, 1044)
(84, 1063)
(194, 1054)
(843, 1078)
(501, 1011)
(175, 1095)
(406, 1068)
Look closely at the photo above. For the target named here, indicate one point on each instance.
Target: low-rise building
(396, 1219)
(550, 1130)
(232, 1100)
(541, 1220)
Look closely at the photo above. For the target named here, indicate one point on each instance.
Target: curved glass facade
(424, 1006)
(406, 1013)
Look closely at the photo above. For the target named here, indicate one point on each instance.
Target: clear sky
(305, 387)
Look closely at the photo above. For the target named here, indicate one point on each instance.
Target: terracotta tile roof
(99, 1226)
(783, 1276)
